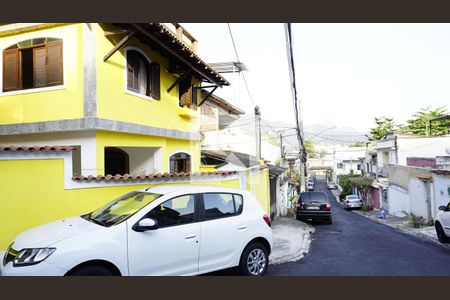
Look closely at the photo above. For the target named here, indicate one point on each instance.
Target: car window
(219, 205)
(239, 203)
(176, 211)
(313, 197)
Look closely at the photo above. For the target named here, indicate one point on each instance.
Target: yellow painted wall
(258, 183)
(33, 194)
(66, 102)
(208, 168)
(115, 103)
(169, 146)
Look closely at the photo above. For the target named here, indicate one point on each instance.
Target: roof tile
(128, 177)
(35, 148)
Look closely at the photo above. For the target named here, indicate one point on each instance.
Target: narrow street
(355, 245)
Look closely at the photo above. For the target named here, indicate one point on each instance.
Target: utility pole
(282, 150)
(258, 132)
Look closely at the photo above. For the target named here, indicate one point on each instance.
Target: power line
(248, 141)
(239, 61)
(231, 126)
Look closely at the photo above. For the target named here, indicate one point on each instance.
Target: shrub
(415, 220)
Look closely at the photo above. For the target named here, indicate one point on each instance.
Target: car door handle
(190, 236)
(242, 227)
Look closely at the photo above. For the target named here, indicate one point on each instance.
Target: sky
(347, 74)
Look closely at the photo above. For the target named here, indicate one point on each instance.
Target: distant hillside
(323, 134)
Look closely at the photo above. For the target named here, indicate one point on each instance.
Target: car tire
(441, 234)
(329, 220)
(254, 260)
(92, 270)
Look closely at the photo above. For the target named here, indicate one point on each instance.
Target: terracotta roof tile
(35, 148)
(129, 177)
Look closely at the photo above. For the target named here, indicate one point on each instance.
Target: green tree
(310, 149)
(418, 123)
(363, 183)
(384, 126)
(346, 184)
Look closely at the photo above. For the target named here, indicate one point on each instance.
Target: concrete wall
(441, 191)
(34, 193)
(410, 183)
(37, 188)
(399, 201)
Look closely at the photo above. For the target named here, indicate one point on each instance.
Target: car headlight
(33, 256)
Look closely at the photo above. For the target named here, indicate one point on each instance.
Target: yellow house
(124, 95)
(91, 111)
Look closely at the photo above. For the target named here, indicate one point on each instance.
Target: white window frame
(127, 91)
(35, 35)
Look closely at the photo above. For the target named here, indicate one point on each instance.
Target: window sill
(139, 95)
(35, 90)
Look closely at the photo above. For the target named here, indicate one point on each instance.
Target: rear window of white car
(221, 205)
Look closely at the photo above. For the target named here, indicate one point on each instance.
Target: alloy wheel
(256, 262)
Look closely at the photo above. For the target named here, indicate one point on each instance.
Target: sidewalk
(426, 233)
(291, 240)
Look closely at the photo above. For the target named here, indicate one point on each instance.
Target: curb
(418, 235)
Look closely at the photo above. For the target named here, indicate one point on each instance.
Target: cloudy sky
(347, 74)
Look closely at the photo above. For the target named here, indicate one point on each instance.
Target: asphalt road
(355, 245)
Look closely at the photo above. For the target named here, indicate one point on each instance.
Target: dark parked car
(313, 206)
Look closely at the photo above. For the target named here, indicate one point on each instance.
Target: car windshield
(352, 197)
(313, 197)
(121, 208)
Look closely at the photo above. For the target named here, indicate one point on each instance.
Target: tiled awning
(127, 177)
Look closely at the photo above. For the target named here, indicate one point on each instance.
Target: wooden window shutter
(155, 83)
(39, 67)
(54, 63)
(11, 70)
(185, 92)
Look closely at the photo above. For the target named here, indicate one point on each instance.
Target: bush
(367, 208)
(415, 220)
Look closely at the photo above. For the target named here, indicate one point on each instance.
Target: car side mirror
(443, 207)
(145, 224)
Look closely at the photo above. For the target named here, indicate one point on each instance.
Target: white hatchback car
(442, 224)
(163, 230)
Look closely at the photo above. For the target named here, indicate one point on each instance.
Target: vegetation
(346, 184)
(384, 126)
(363, 183)
(418, 123)
(415, 220)
(310, 149)
(358, 144)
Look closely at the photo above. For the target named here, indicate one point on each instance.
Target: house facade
(89, 112)
(117, 93)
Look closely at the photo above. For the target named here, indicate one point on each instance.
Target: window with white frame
(143, 76)
(33, 63)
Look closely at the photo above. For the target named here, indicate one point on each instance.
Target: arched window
(142, 76)
(116, 161)
(33, 63)
(180, 162)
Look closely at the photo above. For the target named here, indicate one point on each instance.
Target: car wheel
(330, 220)
(254, 260)
(90, 271)
(441, 234)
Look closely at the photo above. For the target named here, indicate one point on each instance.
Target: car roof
(169, 189)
